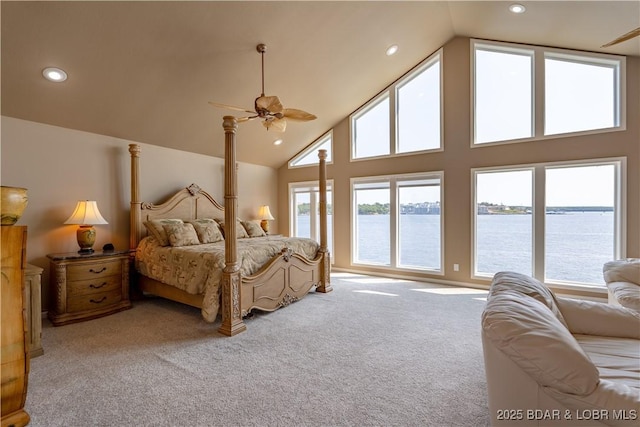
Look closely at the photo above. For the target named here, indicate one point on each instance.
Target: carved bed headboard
(189, 203)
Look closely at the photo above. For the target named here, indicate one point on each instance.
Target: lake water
(577, 244)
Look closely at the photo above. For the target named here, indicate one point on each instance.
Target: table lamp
(86, 216)
(265, 215)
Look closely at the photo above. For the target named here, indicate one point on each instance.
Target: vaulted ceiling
(145, 71)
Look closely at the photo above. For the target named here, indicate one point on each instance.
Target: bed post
(135, 212)
(232, 323)
(325, 268)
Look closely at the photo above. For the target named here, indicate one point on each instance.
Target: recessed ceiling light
(54, 74)
(277, 142)
(392, 49)
(517, 8)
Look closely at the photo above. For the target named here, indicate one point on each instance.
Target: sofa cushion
(512, 281)
(530, 334)
(623, 281)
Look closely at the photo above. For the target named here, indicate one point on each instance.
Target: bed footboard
(284, 280)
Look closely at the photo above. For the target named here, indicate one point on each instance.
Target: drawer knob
(98, 271)
(98, 301)
(97, 286)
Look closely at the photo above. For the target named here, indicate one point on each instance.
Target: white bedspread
(197, 269)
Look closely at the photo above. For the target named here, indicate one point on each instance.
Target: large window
(418, 109)
(309, 156)
(580, 222)
(580, 94)
(503, 94)
(504, 224)
(397, 221)
(406, 118)
(529, 92)
(575, 227)
(304, 219)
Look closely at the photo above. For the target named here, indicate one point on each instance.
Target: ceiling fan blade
(299, 115)
(245, 119)
(270, 103)
(631, 34)
(230, 107)
(273, 123)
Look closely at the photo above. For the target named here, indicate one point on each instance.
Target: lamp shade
(265, 213)
(86, 213)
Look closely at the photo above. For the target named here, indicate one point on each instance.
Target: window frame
(391, 181)
(539, 215)
(314, 146)
(540, 53)
(391, 92)
(311, 186)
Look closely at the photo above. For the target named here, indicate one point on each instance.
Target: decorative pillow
(181, 234)
(154, 227)
(207, 230)
(241, 233)
(253, 229)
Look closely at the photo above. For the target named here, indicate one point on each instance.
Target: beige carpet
(375, 352)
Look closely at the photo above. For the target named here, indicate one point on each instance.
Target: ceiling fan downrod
(262, 48)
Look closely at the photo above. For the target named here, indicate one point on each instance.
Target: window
(405, 118)
(579, 94)
(521, 93)
(504, 222)
(397, 221)
(580, 222)
(574, 230)
(304, 202)
(310, 155)
(503, 94)
(418, 109)
(371, 130)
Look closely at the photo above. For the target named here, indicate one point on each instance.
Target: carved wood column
(134, 218)
(232, 323)
(325, 273)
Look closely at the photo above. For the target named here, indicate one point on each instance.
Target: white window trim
(390, 92)
(313, 147)
(539, 217)
(310, 184)
(538, 86)
(391, 182)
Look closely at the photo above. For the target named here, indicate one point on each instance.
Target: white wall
(60, 166)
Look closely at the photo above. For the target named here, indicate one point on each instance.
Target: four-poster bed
(288, 275)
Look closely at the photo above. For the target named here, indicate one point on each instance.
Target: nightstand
(86, 286)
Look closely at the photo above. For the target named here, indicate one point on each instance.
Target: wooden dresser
(14, 351)
(86, 286)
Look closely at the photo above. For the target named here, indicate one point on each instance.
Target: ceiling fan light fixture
(517, 8)
(392, 49)
(54, 74)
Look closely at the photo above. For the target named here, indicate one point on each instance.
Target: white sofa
(553, 361)
(623, 282)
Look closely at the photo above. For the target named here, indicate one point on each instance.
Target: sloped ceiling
(145, 71)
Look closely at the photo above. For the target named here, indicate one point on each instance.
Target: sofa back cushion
(526, 285)
(531, 335)
(622, 270)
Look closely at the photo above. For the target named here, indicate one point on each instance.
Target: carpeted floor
(374, 352)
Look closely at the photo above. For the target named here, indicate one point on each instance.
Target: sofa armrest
(594, 318)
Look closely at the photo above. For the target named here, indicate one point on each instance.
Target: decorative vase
(12, 204)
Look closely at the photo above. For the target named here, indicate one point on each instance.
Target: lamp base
(265, 225)
(86, 236)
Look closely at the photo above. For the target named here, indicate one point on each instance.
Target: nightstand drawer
(93, 301)
(93, 270)
(92, 286)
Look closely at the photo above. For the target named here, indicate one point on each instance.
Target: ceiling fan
(623, 38)
(268, 108)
